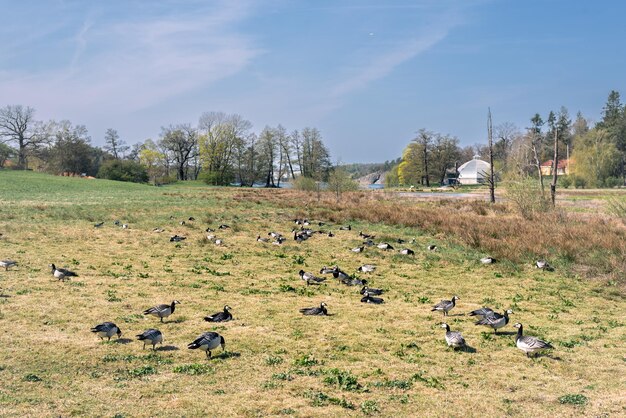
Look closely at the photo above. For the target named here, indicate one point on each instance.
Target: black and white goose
(330, 234)
(543, 265)
(454, 339)
(367, 298)
(98, 225)
(223, 316)
(366, 236)
(327, 270)
(7, 264)
(495, 320)
(369, 243)
(163, 310)
(177, 238)
(224, 226)
(300, 236)
(262, 239)
(61, 274)
(350, 281)
(107, 330)
(154, 336)
(529, 345)
(488, 260)
(371, 291)
(158, 230)
(279, 241)
(315, 310)
(482, 312)
(358, 249)
(385, 246)
(345, 228)
(432, 247)
(310, 278)
(207, 342)
(274, 235)
(367, 268)
(446, 306)
(407, 251)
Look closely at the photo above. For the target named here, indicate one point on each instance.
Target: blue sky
(368, 74)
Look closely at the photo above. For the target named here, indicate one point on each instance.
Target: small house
(562, 168)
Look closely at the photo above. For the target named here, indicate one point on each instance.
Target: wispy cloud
(133, 64)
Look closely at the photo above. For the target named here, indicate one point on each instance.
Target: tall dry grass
(592, 246)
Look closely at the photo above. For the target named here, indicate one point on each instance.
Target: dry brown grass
(593, 245)
(50, 364)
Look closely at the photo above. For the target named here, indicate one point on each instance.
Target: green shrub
(123, 170)
(565, 181)
(305, 183)
(525, 195)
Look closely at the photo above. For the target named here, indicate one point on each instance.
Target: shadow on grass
(224, 355)
(122, 341)
(505, 333)
(167, 348)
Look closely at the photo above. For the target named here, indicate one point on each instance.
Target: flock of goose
(209, 341)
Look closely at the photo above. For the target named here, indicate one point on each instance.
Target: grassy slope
(51, 364)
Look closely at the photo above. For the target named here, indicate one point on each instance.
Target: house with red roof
(562, 169)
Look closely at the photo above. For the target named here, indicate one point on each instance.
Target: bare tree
(535, 144)
(181, 142)
(555, 166)
(18, 127)
(424, 138)
(492, 179)
(114, 145)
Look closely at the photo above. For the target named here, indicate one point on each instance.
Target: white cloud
(134, 64)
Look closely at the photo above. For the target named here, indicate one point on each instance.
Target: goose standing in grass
(7, 264)
(495, 320)
(385, 246)
(340, 274)
(262, 239)
(453, 338)
(407, 251)
(529, 345)
(207, 342)
(367, 268)
(223, 316)
(371, 291)
(107, 330)
(487, 260)
(315, 310)
(482, 312)
(367, 298)
(446, 306)
(61, 274)
(310, 278)
(327, 270)
(543, 265)
(154, 336)
(432, 247)
(163, 310)
(357, 249)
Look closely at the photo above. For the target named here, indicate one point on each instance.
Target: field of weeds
(386, 360)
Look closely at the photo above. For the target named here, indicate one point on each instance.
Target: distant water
(375, 186)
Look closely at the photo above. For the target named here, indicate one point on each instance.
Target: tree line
(222, 149)
(596, 154)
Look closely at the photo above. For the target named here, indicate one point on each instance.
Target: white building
(475, 171)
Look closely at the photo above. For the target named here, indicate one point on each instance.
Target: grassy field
(386, 360)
